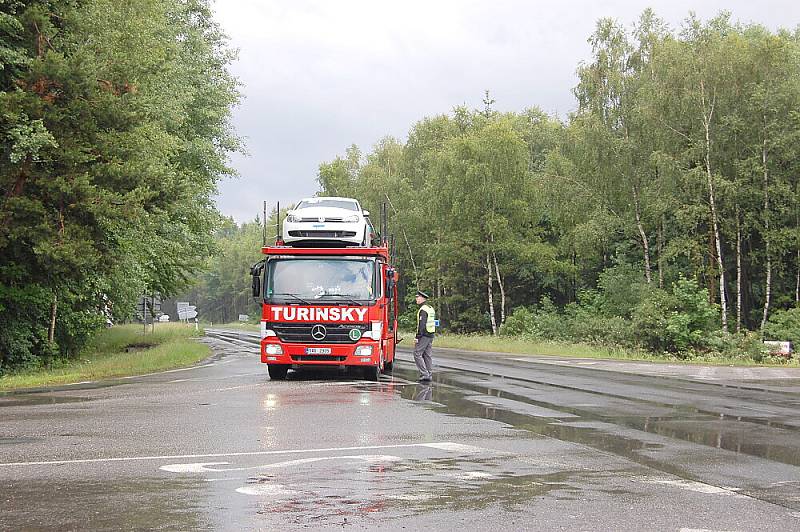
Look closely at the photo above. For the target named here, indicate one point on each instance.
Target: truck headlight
(273, 349)
(363, 351)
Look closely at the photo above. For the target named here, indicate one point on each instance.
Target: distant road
(498, 441)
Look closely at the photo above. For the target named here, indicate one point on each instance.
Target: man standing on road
(423, 343)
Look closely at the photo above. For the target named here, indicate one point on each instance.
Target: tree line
(663, 213)
(114, 120)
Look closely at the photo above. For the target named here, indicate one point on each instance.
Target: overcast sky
(318, 76)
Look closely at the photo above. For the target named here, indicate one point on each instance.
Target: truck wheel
(372, 373)
(277, 372)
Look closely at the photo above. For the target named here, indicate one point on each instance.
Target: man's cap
(423, 294)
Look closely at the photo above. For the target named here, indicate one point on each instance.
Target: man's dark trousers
(422, 356)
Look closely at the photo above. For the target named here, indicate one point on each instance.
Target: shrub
(587, 325)
(521, 322)
(784, 325)
(675, 321)
(745, 345)
(24, 315)
(621, 289)
(544, 322)
(650, 319)
(467, 320)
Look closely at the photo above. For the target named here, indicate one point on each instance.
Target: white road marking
(698, 487)
(171, 371)
(447, 446)
(191, 468)
(702, 530)
(200, 467)
(265, 487)
(455, 447)
(237, 387)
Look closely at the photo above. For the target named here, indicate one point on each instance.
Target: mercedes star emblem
(318, 332)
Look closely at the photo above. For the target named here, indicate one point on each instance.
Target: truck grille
(300, 333)
(323, 234)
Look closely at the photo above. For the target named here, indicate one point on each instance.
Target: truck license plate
(318, 350)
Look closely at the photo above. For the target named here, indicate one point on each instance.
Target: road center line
(447, 446)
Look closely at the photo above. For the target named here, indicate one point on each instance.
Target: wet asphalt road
(496, 442)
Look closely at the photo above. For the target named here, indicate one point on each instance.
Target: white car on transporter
(328, 220)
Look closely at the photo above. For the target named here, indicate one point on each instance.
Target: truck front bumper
(364, 353)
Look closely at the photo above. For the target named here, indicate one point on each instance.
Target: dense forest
(663, 214)
(114, 119)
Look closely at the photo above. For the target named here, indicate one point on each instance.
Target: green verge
(235, 326)
(523, 346)
(171, 346)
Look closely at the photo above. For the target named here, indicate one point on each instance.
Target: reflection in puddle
(409, 487)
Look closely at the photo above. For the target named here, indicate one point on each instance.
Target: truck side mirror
(255, 271)
(389, 283)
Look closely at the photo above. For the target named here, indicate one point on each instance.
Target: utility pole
(264, 229)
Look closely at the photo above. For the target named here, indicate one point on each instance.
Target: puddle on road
(409, 487)
(36, 399)
(19, 440)
(104, 504)
(687, 424)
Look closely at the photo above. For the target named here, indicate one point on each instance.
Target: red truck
(327, 306)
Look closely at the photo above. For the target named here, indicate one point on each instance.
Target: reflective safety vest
(430, 325)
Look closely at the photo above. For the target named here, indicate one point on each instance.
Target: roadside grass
(530, 347)
(171, 346)
(236, 326)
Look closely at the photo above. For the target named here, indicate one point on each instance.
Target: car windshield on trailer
(335, 280)
(322, 202)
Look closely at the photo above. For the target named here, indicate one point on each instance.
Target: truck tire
(277, 372)
(388, 367)
(372, 373)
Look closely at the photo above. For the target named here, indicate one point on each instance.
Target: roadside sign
(779, 348)
(243, 317)
(186, 311)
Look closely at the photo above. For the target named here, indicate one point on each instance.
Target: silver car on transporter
(328, 220)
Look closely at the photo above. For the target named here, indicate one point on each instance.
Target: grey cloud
(319, 76)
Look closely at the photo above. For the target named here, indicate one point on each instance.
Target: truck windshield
(336, 281)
